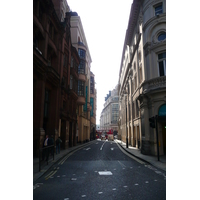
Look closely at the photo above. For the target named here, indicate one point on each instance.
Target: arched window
(162, 36)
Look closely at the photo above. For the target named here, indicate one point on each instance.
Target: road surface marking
(87, 149)
(100, 192)
(121, 164)
(50, 175)
(112, 149)
(102, 145)
(83, 196)
(105, 173)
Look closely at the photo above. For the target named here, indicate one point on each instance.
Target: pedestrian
(58, 142)
(45, 149)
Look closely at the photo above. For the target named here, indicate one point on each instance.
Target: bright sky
(104, 23)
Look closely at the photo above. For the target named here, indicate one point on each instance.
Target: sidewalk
(57, 157)
(153, 160)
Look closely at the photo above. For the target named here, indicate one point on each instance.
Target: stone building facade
(110, 113)
(142, 77)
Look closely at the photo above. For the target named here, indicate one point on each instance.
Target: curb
(141, 158)
(134, 154)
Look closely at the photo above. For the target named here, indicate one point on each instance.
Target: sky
(105, 23)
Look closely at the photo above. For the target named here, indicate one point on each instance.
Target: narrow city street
(101, 171)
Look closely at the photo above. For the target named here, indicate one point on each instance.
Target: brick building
(55, 77)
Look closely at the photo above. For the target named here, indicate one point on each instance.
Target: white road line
(105, 173)
(121, 164)
(102, 145)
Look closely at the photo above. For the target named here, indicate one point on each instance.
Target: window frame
(160, 11)
(163, 61)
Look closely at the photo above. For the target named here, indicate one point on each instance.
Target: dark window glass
(81, 53)
(162, 63)
(161, 68)
(80, 88)
(158, 9)
(162, 36)
(81, 67)
(162, 55)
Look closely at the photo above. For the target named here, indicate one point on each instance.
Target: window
(162, 36)
(81, 86)
(137, 109)
(71, 82)
(139, 56)
(81, 67)
(91, 85)
(158, 9)
(92, 104)
(46, 103)
(162, 63)
(133, 110)
(140, 71)
(135, 82)
(72, 61)
(81, 53)
(134, 66)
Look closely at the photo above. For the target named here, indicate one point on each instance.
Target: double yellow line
(50, 174)
(63, 160)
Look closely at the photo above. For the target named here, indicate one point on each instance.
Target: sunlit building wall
(142, 77)
(110, 113)
(93, 99)
(80, 43)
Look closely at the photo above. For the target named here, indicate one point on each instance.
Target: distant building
(98, 127)
(110, 112)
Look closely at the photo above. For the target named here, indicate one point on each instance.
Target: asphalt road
(101, 171)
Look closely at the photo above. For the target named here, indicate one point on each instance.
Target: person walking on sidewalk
(58, 142)
(45, 152)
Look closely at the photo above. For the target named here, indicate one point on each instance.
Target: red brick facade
(55, 77)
